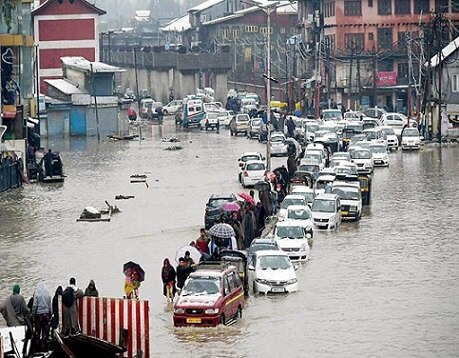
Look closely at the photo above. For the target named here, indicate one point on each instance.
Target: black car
(214, 208)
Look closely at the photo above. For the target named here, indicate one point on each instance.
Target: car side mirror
(251, 268)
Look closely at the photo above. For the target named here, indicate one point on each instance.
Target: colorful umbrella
(132, 266)
(222, 231)
(194, 253)
(247, 198)
(231, 206)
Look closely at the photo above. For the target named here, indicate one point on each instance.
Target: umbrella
(247, 198)
(262, 185)
(194, 253)
(222, 231)
(231, 206)
(134, 267)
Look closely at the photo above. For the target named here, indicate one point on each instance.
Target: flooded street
(386, 286)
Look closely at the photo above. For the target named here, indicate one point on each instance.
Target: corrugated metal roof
(65, 86)
(178, 25)
(205, 5)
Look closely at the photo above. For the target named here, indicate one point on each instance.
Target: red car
(212, 294)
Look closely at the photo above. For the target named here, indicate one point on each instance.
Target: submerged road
(387, 286)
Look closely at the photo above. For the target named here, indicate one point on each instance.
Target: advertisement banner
(384, 79)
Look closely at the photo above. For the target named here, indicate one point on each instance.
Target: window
(386, 66)
(402, 7)
(226, 32)
(236, 32)
(441, 5)
(354, 42)
(402, 70)
(329, 9)
(384, 7)
(421, 6)
(330, 41)
(264, 30)
(455, 83)
(370, 3)
(282, 30)
(371, 36)
(352, 7)
(385, 38)
(251, 29)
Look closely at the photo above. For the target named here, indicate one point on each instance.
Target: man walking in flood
(70, 308)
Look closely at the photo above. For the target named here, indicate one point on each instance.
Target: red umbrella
(247, 198)
(231, 206)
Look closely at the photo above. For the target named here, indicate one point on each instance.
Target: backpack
(68, 297)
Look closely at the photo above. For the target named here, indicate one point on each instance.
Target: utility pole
(350, 75)
(93, 82)
(410, 74)
(374, 79)
(136, 79)
(439, 28)
(359, 82)
(37, 89)
(268, 91)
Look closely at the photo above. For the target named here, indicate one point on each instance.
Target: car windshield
(346, 193)
(255, 166)
(289, 231)
(332, 115)
(242, 118)
(341, 155)
(322, 184)
(311, 127)
(197, 286)
(410, 132)
(308, 196)
(299, 214)
(361, 154)
(216, 203)
(265, 246)
(378, 149)
(309, 168)
(291, 201)
(343, 170)
(388, 131)
(316, 156)
(256, 122)
(371, 135)
(356, 126)
(323, 206)
(246, 158)
(277, 139)
(212, 115)
(274, 262)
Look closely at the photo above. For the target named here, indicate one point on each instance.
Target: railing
(9, 176)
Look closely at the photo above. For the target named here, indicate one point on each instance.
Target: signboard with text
(384, 79)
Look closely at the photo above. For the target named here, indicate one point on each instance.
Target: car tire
(222, 319)
(239, 312)
(254, 288)
(165, 112)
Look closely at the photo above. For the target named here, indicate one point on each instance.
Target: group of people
(41, 314)
(174, 279)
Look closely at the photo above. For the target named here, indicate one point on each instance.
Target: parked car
(307, 193)
(211, 295)
(278, 147)
(391, 137)
(380, 157)
(253, 172)
(301, 215)
(293, 239)
(363, 158)
(397, 121)
(331, 115)
(326, 211)
(172, 107)
(411, 139)
(211, 121)
(350, 199)
(254, 127)
(239, 124)
(374, 112)
(292, 199)
(260, 244)
(272, 272)
(214, 208)
(245, 157)
(225, 118)
(375, 135)
(146, 106)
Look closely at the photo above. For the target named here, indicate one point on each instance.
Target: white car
(254, 127)
(331, 115)
(323, 182)
(245, 157)
(375, 135)
(411, 139)
(397, 121)
(225, 118)
(272, 272)
(380, 157)
(172, 107)
(210, 120)
(350, 199)
(291, 199)
(305, 192)
(326, 211)
(254, 171)
(301, 215)
(364, 160)
(277, 145)
(293, 239)
(344, 155)
(314, 157)
(391, 137)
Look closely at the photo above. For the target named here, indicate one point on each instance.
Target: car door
(228, 290)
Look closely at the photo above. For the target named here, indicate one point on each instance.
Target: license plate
(193, 320)
(278, 289)
(344, 212)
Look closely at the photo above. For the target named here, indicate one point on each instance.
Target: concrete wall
(108, 121)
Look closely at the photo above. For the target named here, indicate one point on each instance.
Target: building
(64, 28)
(368, 50)
(71, 102)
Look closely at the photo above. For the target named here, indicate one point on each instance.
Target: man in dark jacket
(291, 127)
(14, 309)
(183, 271)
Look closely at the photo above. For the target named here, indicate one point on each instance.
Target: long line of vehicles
(335, 161)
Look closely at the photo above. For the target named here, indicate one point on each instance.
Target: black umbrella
(135, 268)
(262, 185)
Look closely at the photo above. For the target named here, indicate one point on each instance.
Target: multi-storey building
(367, 52)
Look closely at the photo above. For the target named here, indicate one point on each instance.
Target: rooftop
(65, 86)
(180, 24)
(82, 64)
(447, 51)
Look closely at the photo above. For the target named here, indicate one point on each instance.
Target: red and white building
(64, 28)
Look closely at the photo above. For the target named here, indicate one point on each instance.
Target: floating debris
(123, 137)
(174, 147)
(91, 214)
(138, 178)
(124, 197)
(170, 139)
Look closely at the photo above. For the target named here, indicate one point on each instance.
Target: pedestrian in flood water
(70, 308)
(48, 160)
(55, 319)
(168, 276)
(183, 271)
(249, 225)
(41, 310)
(91, 290)
(14, 309)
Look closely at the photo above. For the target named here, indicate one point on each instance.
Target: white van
(326, 211)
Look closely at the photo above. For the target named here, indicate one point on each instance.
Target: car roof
(326, 196)
(212, 271)
(254, 161)
(250, 153)
(263, 240)
(271, 253)
(298, 207)
(222, 196)
(326, 178)
(287, 223)
(302, 189)
(293, 196)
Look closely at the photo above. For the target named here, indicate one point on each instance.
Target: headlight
(211, 311)
(367, 165)
(292, 281)
(179, 310)
(263, 282)
(304, 247)
(353, 208)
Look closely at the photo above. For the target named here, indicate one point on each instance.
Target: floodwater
(387, 286)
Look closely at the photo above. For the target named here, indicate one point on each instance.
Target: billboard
(384, 79)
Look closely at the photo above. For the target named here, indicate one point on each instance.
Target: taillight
(241, 164)
(246, 174)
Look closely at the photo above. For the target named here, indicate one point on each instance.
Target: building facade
(64, 28)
